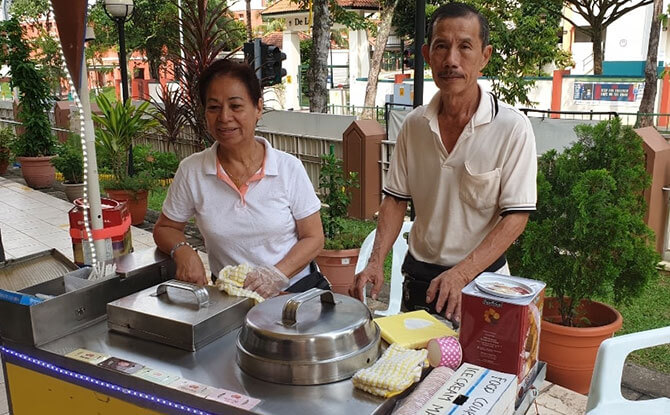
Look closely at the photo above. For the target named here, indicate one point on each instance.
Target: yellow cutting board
(412, 330)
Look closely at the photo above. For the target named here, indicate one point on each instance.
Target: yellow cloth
(395, 371)
(231, 281)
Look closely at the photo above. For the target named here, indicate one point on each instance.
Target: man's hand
(371, 273)
(189, 266)
(449, 285)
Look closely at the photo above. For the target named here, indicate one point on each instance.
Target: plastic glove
(266, 280)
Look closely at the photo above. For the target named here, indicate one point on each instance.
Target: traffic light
(271, 65)
(266, 61)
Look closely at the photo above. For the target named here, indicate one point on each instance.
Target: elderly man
(468, 163)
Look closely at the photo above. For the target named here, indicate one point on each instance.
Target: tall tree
(45, 48)
(250, 32)
(388, 9)
(599, 14)
(651, 67)
(317, 73)
(152, 30)
(512, 23)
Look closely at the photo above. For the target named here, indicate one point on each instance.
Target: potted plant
(35, 145)
(118, 125)
(337, 260)
(587, 240)
(7, 137)
(70, 163)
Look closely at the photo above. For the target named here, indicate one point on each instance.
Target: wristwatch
(177, 246)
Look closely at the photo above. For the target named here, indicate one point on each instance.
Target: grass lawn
(649, 311)
(108, 91)
(156, 198)
(5, 92)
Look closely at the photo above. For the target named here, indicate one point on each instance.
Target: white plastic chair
(399, 250)
(605, 393)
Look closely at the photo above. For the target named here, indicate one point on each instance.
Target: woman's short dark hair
(451, 10)
(226, 67)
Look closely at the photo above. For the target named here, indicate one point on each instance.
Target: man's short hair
(453, 10)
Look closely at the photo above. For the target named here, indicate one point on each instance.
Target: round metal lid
(308, 338)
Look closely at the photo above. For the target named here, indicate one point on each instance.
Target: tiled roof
(285, 6)
(277, 38)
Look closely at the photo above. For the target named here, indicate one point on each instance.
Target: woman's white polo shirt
(254, 227)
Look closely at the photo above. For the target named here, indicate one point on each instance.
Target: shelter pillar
(359, 55)
(291, 47)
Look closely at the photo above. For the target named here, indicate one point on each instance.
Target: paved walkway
(32, 221)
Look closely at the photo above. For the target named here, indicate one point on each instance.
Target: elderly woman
(253, 204)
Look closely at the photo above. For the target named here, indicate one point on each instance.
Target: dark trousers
(419, 274)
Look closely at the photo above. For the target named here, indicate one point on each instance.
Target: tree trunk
(250, 33)
(317, 73)
(376, 63)
(650, 68)
(597, 39)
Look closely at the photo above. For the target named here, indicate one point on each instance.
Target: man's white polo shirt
(259, 228)
(460, 196)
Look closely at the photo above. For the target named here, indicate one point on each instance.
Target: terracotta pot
(136, 201)
(38, 172)
(338, 267)
(570, 352)
(73, 191)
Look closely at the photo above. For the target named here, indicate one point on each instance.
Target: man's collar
(483, 114)
(210, 164)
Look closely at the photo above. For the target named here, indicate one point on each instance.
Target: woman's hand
(189, 266)
(267, 281)
(169, 234)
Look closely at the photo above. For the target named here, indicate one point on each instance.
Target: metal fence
(378, 112)
(308, 149)
(659, 120)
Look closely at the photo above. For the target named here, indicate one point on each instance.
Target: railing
(379, 112)
(659, 120)
(570, 115)
(308, 149)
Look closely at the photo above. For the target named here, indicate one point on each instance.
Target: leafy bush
(34, 95)
(116, 128)
(7, 138)
(335, 185)
(70, 161)
(159, 164)
(588, 238)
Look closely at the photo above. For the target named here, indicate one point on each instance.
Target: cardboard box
(474, 390)
(501, 332)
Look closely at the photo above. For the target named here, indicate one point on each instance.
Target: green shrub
(70, 161)
(588, 238)
(336, 196)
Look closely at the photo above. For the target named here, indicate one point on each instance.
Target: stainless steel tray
(77, 302)
(30, 270)
(178, 314)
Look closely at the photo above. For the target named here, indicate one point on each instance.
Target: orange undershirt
(242, 191)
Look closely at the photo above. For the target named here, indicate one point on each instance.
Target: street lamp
(121, 11)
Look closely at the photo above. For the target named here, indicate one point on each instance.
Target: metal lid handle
(290, 310)
(201, 294)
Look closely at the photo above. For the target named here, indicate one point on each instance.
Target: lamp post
(121, 11)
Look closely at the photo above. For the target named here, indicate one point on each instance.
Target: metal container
(309, 338)
(76, 302)
(178, 313)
